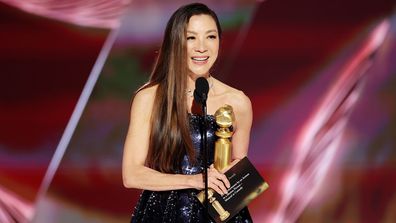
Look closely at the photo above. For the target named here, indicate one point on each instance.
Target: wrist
(195, 181)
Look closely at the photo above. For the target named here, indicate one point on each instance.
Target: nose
(201, 46)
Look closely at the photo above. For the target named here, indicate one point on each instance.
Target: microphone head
(202, 85)
(201, 90)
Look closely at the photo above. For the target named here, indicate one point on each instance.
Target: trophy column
(223, 147)
(222, 157)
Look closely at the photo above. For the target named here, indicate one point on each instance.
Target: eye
(190, 37)
(212, 37)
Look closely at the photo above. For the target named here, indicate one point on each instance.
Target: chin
(199, 73)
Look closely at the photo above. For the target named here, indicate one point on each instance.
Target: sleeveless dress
(181, 206)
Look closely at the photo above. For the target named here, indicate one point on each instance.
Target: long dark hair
(170, 138)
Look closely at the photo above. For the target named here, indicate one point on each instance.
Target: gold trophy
(224, 119)
(222, 158)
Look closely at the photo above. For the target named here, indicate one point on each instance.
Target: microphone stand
(205, 156)
(200, 96)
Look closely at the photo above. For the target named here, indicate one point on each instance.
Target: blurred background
(321, 76)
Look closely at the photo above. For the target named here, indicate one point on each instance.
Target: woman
(162, 152)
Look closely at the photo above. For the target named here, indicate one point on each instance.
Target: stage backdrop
(320, 76)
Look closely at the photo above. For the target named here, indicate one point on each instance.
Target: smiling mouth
(200, 59)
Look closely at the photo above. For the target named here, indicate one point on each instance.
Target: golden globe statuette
(222, 158)
(223, 147)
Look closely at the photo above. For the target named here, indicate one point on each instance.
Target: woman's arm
(243, 122)
(135, 173)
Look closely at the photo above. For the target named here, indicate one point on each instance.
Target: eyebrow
(209, 31)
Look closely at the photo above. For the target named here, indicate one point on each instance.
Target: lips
(200, 59)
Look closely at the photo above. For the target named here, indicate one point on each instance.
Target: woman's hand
(216, 180)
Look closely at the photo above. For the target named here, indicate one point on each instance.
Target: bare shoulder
(146, 94)
(236, 98)
(240, 100)
(143, 100)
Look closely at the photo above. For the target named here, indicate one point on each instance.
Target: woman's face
(202, 44)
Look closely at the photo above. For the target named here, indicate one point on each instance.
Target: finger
(215, 178)
(225, 180)
(221, 177)
(216, 188)
(221, 185)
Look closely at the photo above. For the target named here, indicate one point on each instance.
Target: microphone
(200, 96)
(201, 90)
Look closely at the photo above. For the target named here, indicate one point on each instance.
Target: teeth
(200, 58)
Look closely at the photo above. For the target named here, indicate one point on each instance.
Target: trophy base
(225, 215)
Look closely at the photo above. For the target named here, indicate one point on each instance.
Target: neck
(192, 78)
(191, 84)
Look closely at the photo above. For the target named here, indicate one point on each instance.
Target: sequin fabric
(181, 206)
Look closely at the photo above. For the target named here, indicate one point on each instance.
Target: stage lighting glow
(13, 208)
(320, 138)
(98, 13)
(78, 110)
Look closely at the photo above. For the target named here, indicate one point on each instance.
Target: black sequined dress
(181, 206)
